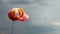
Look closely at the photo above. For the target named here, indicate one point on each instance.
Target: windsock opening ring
(18, 11)
(13, 13)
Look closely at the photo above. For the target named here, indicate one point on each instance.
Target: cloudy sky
(44, 17)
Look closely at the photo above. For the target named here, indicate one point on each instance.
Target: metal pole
(12, 28)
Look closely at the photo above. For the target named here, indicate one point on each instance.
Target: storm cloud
(44, 17)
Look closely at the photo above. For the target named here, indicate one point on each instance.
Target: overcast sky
(44, 17)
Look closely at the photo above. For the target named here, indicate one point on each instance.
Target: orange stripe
(14, 12)
(20, 10)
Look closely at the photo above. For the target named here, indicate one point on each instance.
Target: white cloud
(56, 23)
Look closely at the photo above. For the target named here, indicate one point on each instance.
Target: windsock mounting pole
(12, 27)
